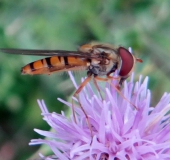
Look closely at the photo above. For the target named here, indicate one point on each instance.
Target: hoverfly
(98, 59)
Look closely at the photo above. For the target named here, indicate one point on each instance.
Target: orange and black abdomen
(54, 64)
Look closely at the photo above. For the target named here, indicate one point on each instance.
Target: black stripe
(48, 62)
(59, 58)
(66, 61)
(32, 66)
(89, 60)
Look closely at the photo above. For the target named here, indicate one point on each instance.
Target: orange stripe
(55, 61)
(38, 64)
(76, 61)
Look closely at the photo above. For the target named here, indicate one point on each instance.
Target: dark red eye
(127, 61)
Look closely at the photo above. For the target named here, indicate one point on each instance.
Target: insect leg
(111, 77)
(117, 89)
(76, 95)
(101, 79)
(120, 93)
(96, 85)
(96, 78)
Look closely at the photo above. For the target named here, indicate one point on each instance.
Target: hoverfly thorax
(105, 61)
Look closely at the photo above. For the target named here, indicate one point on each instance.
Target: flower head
(120, 132)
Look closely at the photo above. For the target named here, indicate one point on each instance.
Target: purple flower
(120, 132)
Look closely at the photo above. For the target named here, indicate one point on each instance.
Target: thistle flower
(120, 132)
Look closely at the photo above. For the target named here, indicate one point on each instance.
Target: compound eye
(126, 63)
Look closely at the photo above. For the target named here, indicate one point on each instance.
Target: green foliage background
(57, 24)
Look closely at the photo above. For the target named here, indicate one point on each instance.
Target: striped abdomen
(54, 64)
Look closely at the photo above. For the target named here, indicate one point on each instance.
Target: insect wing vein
(48, 53)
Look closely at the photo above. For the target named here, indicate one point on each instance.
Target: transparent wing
(47, 53)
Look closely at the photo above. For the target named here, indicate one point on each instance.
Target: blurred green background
(57, 24)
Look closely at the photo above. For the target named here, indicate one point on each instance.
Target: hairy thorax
(106, 62)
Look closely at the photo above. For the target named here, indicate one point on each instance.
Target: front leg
(82, 85)
(117, 88)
